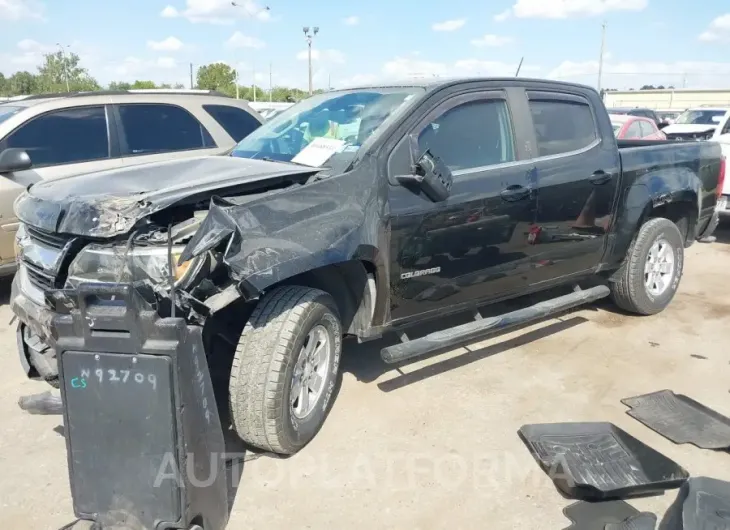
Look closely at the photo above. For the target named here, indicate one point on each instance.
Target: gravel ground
(435, 445)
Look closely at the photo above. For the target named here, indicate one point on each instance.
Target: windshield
(333, 123)
(700, 117)
(7, 110)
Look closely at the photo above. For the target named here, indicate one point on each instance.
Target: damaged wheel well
(352, 284)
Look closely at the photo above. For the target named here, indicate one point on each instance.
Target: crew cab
(353, 213)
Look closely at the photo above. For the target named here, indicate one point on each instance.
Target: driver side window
(470, 135)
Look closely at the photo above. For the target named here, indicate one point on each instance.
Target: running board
(483, 327)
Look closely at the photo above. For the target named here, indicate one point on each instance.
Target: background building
(676, 99)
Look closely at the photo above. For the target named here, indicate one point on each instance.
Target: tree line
(62, 72)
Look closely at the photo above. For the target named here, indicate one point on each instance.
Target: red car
(635, 128)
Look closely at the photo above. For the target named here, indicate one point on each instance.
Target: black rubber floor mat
(596, 515)
(643, 521)
(681, 419)
(702, 504)
(596, 461)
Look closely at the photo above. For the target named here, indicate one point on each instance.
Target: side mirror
(430, 175)
(14, 159)
(662, 124)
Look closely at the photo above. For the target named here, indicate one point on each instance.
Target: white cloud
(330, 56)
(408, 67)
(223, 12)
(357, 80)
(630, 74)
(13, 10)
(170, 44)
(169, 12)
(449, 25)
(504, 15)
(491, 41)
(572, 8)
(239, 40)
(161, 69)
(351, 21)
(719, 29)
(29, 54)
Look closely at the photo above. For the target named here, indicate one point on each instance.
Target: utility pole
(253, 13)
(600, 59)
(63, 63)
(237, 94)
(253, 81)
(191, 76)
(309, 36)
(271, 82)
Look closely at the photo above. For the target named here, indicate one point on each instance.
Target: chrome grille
(40, 277)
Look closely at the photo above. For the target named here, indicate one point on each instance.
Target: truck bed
(683, 160)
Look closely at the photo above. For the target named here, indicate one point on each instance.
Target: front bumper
(144, 439)
(33, 334)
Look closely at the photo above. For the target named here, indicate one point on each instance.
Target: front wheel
(650, 275)
(285, 369)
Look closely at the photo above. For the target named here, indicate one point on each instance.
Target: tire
(267, 363)
(629, 288)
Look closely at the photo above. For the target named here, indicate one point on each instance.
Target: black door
(473, 246)
(577, 175)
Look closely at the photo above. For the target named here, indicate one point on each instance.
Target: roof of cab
(433, 83)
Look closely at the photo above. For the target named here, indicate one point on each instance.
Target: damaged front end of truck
(126, 299)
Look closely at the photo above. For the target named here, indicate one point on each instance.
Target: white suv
(706, 123)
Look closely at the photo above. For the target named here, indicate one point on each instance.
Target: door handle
(515, 193)
(600, 177)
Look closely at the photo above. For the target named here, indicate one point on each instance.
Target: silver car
(59, 135)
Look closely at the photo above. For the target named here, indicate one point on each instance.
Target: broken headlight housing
(118, 264)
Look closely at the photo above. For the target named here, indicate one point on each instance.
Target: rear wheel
(650, 275)
(285, 369)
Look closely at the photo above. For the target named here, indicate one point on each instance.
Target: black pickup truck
(354, 213)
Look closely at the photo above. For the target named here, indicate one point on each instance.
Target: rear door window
(237, 122)
(634, 131)
(562, 126)
(151, 128)
(647, 128)
(65, 136)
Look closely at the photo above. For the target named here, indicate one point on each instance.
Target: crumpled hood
(688, 128)
(109, 203)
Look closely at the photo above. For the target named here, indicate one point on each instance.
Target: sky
(668, 42)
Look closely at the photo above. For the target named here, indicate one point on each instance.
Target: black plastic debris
(595, 461)
(701, 504)
(597, 515)
(642, 521)
(681, 419)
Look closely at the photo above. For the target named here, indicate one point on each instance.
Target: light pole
(309, 36)
(600, 59)
(63, 47)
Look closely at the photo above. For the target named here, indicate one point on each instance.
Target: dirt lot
(435, 445)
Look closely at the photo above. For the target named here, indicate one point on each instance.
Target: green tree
(61, 71)
(143, 85)
(119, 85)
(217, 76)
(22, 83)
(4, 89)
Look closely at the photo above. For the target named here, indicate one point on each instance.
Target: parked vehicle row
(69, 134)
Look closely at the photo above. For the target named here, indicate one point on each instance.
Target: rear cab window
(67, 136)
(235, 121)
(564, 123)
(151, 128)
